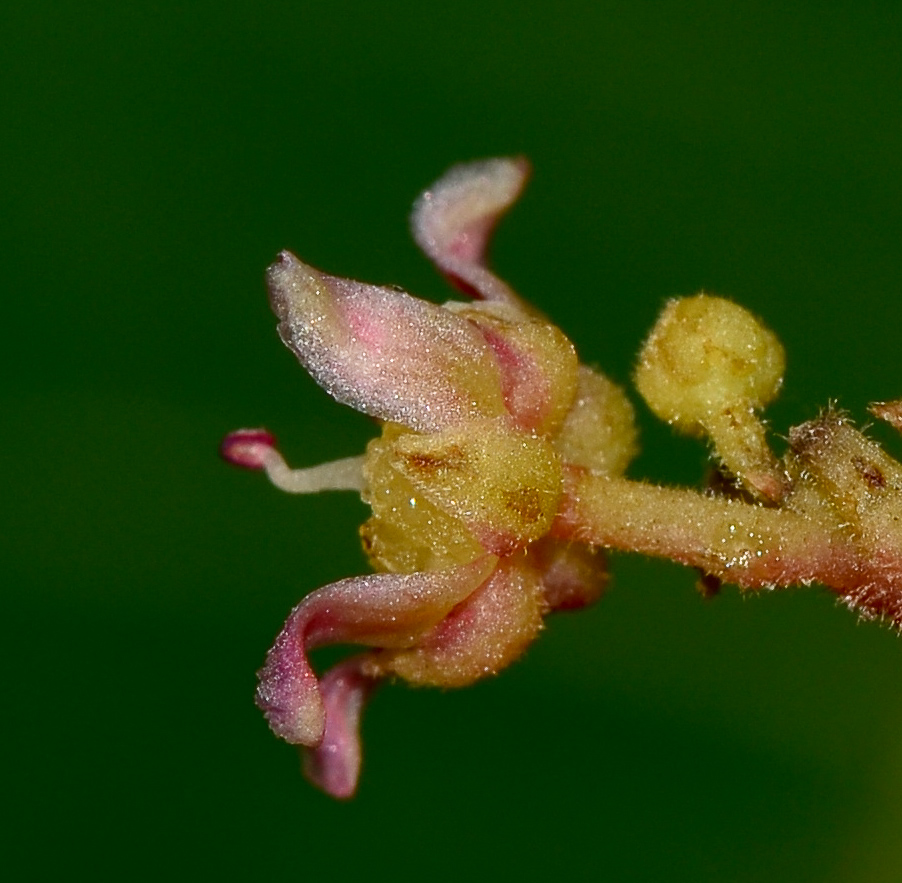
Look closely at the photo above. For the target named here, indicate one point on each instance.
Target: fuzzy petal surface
(538, 365)
(334, 765)
(487, 632)
(382, 610)
(453, 221)
(382, 351)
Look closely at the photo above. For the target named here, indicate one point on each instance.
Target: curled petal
(481, 636)
(334, 765)
(382, 351)
(453, 221)
(381, 610)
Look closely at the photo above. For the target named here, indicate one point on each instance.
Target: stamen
(256, 449)
(336, 475)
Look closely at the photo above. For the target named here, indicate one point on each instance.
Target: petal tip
(334, 766)
(287, 277)
(453, 220)
(293, 709)
(288, 693)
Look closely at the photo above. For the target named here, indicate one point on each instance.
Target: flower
(484, 409)
(498, 478)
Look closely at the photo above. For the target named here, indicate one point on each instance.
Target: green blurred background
(156, 156)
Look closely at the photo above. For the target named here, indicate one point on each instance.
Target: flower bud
(707, 367)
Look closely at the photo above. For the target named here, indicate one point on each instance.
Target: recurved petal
(481, 636)
(334, 765)
(382, 351)
(380, 610)
(453, 221)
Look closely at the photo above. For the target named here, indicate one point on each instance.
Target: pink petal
(487, 632)
(380, 610)
(453, 221)
(334, 765)
(537, 363)
(382, 351)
